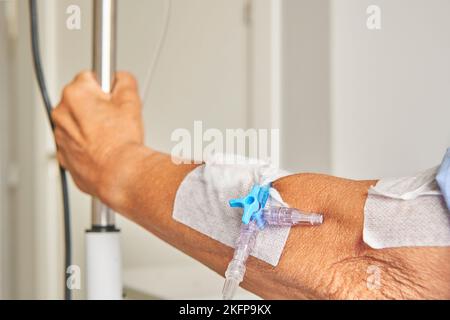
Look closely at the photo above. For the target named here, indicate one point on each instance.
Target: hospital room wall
(366, 103)
(21, 150)
(4, 237)
(306, 119)
(356, 103)
(201, 75)
(390, 87)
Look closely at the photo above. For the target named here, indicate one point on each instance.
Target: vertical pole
(104, 65)
(103, 258)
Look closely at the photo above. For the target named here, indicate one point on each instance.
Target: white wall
(34, 224)
(306, 118)
(202, 75)
(4, 101)
(361, 103)
(390, 88)
(356, 103)
(206, 72)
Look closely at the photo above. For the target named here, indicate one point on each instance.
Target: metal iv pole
(103, 257)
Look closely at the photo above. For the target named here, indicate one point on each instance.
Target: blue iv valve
(253, 204)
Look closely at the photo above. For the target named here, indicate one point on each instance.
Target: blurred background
(349, 101)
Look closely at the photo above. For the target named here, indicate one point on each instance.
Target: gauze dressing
(202, 199)
(406, 212)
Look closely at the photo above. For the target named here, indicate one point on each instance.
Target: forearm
(326, 262)
(100, 141)
(142, 186)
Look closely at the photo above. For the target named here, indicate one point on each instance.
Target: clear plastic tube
(281, 216)
(275, 216)
(236, 268)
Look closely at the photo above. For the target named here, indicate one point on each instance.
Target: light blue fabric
(443, 178)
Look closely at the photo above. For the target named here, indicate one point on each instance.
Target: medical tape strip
(406, 212)
(201, 203)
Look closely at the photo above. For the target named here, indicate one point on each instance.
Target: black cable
(48, 108)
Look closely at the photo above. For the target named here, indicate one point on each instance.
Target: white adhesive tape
(202, 203)
(406, 212)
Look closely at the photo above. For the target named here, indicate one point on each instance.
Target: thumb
(125, 89)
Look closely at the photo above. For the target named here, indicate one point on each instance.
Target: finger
(61, 159)
(123, 78)
(86, 77)
(80, 99)
(60, 138)
(66, 149)
(85, 84)
(65, 121)
(70, 147)
(75, 177)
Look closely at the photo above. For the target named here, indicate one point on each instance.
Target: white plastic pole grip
(103, 266)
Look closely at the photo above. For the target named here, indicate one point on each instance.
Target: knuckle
(72, 94)
(68, 92)
(83, 75)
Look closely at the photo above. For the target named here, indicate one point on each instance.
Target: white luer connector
(286, 217)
